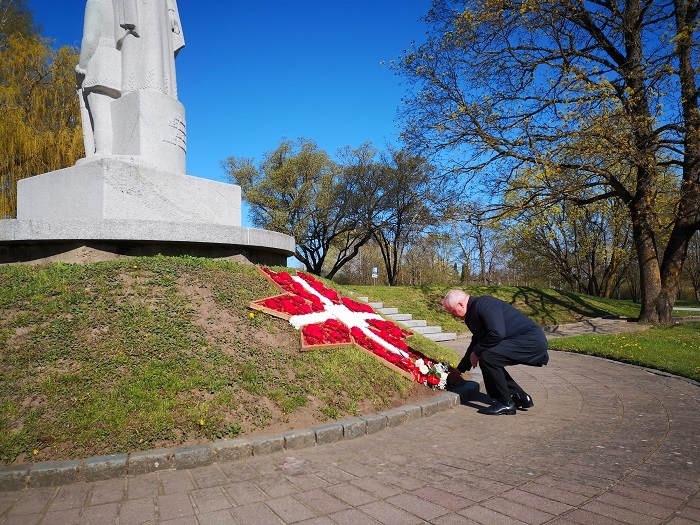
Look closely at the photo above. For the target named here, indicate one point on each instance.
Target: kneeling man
(501, 336)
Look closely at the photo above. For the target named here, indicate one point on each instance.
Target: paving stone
(145, 486)
(172, 506)
(255, 514)
(210, 476)
(62, 517)
(321, 502)
(220, 517)
(107, 491)
(100, 514)
(71, 496)
(138, 511)
(290, 510)
(210, 499)
(175, 482)
(384, 512)
(33, 501)
(245, 493)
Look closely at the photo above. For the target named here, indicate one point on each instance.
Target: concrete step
(400, 317)
(387, 311)
(362, 298)
(441, 336)
(418, 326)
(414, 322)
(427, 329)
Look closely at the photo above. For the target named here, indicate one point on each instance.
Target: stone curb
(53, 473)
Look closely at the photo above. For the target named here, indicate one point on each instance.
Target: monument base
(40, 252)
(109, 208)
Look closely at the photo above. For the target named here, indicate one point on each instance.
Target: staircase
(417, 326)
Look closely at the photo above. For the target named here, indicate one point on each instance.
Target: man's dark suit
(502, 336)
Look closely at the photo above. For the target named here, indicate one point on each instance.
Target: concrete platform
(112, 207)
(44, 240)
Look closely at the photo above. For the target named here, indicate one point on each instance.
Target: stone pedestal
(108, 208)
(109, 189)
(150, 126)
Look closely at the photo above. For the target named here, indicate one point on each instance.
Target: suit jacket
(501, 328)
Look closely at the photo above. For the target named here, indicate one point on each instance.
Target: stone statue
(127, 83)
(152, 39)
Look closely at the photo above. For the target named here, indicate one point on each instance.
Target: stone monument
(131, 195)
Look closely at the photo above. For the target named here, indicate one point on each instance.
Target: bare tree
(591, 97)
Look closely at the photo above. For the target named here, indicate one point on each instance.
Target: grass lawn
(544, 306)
(143, 353)
(673, 348)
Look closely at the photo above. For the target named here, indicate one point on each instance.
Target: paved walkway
(605, 444)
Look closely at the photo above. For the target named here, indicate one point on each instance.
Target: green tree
(600, 96)
(428, 261)
(692, 267)
(413, 199)
(39, 113)
(299, 190)
(588, 248)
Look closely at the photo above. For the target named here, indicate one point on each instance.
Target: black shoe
(499, 409)
(523, 403)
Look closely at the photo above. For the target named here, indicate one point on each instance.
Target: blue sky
(254, 72)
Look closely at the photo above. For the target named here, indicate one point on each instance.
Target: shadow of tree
(542, 304)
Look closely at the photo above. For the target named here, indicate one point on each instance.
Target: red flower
(354, 306)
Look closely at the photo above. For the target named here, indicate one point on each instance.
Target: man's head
(455, 302)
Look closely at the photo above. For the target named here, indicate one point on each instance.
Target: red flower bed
(330, 332)
(299, 301)
(356, 307)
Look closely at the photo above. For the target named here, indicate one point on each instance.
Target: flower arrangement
(326, 320)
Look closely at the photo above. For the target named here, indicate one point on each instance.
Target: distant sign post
(375, 274)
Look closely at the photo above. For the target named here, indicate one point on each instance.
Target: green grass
(673, 348)
(544, 306)
(129, 355)
(140, 353)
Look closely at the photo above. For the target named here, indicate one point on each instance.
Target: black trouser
(497, 381)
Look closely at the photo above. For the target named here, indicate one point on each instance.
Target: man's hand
(454, 378)
(474, 359)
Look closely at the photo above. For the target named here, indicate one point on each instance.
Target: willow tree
(39, 113)
(15, 17)
(601, 96)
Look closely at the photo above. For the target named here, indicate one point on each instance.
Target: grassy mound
(141, 353)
